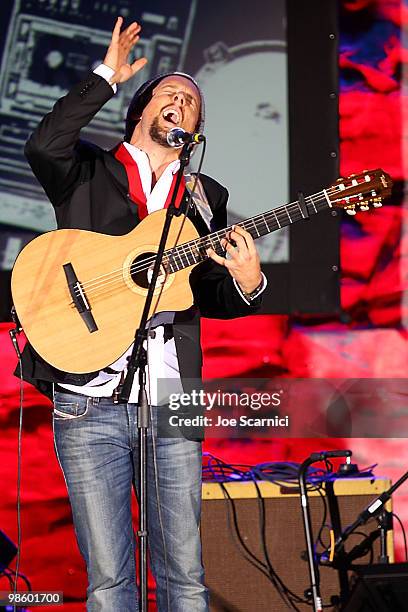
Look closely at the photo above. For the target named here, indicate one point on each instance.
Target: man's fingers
(239, 241)
(132, 31)
(138, 65)
(116, 30)
(238, 250)
(240, 230)
(129, 33)
(217, 258)
(127, 43)
(247, 237)
(232, 251)
(126, 71)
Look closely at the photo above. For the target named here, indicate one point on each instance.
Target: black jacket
(88, 189)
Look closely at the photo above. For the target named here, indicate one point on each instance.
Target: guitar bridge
(79, 298)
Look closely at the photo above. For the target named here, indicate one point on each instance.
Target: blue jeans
(96, 444)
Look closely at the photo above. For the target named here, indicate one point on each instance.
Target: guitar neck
(195, 251)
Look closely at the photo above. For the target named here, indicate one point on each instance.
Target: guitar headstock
(359, 191)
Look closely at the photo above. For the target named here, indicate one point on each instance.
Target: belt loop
(92, 401)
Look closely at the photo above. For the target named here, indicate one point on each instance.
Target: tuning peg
(364, 207)
(377, 204)
(350, 211)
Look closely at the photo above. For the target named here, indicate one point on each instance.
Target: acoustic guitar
(79, 295)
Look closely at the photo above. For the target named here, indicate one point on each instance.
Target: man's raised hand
(118, 52)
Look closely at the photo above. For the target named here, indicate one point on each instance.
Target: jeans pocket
(67, 406)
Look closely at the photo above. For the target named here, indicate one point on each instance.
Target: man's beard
(157, 134)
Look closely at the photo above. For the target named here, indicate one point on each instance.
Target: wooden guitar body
(79, 295)
(102, 265)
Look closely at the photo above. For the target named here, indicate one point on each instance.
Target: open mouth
(172, 116)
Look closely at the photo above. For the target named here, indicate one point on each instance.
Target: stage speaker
(235, 584)
(380, 587)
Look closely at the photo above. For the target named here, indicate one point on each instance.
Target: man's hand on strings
(119, 49)
(243, 260)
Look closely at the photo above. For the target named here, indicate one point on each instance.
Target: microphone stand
(342, 560)
(374, 508)
(307, 523)
(138, 360)
(335, 520)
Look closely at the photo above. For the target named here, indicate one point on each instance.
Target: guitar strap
(200, 200)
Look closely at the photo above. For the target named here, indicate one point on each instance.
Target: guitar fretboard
(193, 252)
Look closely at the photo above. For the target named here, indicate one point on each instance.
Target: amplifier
(235, 584)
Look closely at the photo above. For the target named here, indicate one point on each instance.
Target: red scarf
(135, 184)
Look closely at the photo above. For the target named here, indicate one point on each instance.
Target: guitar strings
(294, 214)
(94, 284)
(181, 252)
(137, 267)
(185, 250)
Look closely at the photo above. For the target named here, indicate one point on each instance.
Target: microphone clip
(13, 333)
(177, 137)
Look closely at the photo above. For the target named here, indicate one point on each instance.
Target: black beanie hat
(143, 96)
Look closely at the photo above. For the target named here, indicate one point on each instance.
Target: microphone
(323, 455)
(371, 510)
(177, 137)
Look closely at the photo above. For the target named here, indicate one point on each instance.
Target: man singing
(96, 437)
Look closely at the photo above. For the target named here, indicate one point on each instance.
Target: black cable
(248, 554)
(228, 472)
(262, 522)
(323, 523)
(403, 534)
(252, 558)
(364, 535)
(320, 539)
(267, 568)
(262, 528)
(7, 575)
(287, 471)
(19, 445)
(10, 571)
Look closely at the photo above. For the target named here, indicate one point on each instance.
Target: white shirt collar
(138, 154)
(156, 197)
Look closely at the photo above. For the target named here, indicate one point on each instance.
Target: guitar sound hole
(138, 271)
(142, 268)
